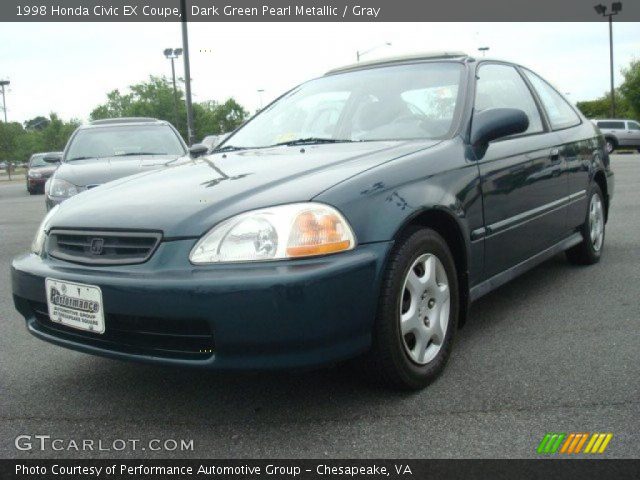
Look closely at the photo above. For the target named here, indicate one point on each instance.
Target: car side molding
(503, 277)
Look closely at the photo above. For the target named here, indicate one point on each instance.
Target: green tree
(37, 123)
(601, 107)
(630, 88)
(154, 98)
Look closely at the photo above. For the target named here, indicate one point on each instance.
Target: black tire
(388, 360)
(586, 253)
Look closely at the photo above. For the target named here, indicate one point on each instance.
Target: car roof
(124, 121)
(613, 120)
(425, 56)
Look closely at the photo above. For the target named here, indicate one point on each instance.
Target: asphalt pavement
(556, 350)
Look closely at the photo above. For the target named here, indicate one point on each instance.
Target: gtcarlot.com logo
(46, 442)
(572, 443)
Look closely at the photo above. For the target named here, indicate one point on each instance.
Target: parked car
(38, 172)
(3, 165)
(442, 178)
(620, 133)
(110, 149)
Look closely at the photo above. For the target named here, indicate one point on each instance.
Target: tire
(610, 144)
(395, 358)
(589, 251)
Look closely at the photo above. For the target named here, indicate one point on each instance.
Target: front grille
(164, 337)
(102, 247)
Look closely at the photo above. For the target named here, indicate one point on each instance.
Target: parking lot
(557, 350)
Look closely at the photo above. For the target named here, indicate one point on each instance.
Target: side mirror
(495, 123)
(52, 158)
(198, 149)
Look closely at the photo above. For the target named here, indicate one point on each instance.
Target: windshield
(38, 161)
(124, 141)
(389, 103)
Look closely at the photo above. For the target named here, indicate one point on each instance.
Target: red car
(38, 172)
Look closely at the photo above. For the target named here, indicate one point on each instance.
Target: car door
(578, 146)
(522, 177)
(633, 134)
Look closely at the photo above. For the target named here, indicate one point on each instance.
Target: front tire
(590, 249)
(417, 313)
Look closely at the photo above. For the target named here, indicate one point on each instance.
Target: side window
(633, 126)
(561, 114)
(611, 125)
(501, 86)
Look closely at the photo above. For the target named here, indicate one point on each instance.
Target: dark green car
(357, 215)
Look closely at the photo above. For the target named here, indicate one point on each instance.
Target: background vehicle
(432, 181)
(109, 149)
(620, 133)
(39, 171)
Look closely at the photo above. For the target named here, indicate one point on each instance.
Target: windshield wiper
(79, 158)
(134, 154)
(312, 141)
(228, 148)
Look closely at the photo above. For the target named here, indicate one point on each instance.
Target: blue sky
(69, 67)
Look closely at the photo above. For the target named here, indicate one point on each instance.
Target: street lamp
(260, 92)
(616, 7)
(172, 54)
(484, 50)
(4, 101)
(359, 53)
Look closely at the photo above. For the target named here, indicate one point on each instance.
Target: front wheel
(589, 250)
(417, 312)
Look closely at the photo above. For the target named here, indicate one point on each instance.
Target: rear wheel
(589, 250)
(417, 312)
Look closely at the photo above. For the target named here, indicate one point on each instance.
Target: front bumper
(263, 315)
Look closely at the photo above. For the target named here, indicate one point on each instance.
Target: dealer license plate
(75, 305)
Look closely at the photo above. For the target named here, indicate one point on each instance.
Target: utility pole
(187, 74)
(4, 100)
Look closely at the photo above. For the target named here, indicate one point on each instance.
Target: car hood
(48, 170)
(97, 171)
(190, 198)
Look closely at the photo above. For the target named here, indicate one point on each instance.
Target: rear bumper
(269, 315)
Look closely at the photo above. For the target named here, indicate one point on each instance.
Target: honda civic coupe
(357, 215)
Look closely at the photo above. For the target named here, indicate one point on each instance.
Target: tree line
(153, 98)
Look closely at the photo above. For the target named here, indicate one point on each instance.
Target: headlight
(62, 188)
(287, 231)
(34, 174)
(38, 241)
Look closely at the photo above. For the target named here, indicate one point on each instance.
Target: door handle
(554, 155)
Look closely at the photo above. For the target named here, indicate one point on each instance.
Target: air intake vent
(102, 247)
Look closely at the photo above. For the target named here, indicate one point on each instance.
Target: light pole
(616, 7)
(484, 50)
(364, 52)
(4, 100)
(187, 73)
(172, 54)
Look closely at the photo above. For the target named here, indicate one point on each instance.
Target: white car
(620, 133)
